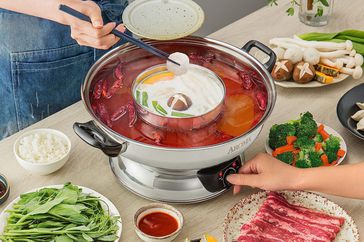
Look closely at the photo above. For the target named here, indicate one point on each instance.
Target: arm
(95, 35)
(39, 8)
(345, 180)
(268, 173)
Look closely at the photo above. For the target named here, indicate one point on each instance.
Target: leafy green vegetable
(59, 215)
(356, 36)
(290, 11)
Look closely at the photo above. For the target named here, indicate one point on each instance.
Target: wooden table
(89, 167)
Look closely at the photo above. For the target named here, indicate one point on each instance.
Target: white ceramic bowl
(42, 168)
(158, 207)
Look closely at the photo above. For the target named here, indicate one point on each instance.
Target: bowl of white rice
(42, 151)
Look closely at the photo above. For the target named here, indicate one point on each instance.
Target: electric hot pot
(164, 173)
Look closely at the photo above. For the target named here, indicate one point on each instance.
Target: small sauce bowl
(5, 185)
(158, 208)
(46, 167)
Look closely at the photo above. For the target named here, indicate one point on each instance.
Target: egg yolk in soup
(119, 90)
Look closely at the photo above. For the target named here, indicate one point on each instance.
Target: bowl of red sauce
(158, 222)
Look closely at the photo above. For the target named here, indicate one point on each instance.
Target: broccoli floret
(304, 143)
(307, 126)
(331, 156)
(302, 161)
(286, 157)
(278, 134)
(332, 144)
(315, 158)
(318, 138)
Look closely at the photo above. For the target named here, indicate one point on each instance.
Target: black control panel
(214, 178)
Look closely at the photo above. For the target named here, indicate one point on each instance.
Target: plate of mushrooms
(306, 64)
(350, 111)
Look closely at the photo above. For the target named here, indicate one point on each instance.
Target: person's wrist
(299, 180)
(60, 16)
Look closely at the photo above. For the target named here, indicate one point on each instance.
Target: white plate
(112, 209)
(244, 211)
(292, 84)
(329, 131)
(163, 19)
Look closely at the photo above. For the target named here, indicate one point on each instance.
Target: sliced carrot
(333, 163)
(325, 160)
(274, 153)
(341, 153)
(318, 146)
(291, 139)
(320, 128)
(324, 134)
(283, 149)
(296, 151)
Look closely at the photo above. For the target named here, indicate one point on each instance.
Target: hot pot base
(165, 185)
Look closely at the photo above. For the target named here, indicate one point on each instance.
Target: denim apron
(41, 66)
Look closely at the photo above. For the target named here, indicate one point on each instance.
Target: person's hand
(267, 173)
(96, 35)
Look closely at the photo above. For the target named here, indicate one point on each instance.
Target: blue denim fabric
(41, 66)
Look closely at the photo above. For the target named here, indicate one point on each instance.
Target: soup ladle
(137, 42)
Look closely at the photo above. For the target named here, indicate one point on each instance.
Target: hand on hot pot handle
(272, 56)
(268, 173)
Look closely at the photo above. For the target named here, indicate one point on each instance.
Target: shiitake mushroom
(303, 72)
(282, 70)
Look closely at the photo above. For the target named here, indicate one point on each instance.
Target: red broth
(244, 104)
(158, 224)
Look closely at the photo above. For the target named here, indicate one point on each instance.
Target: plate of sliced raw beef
(289, 217)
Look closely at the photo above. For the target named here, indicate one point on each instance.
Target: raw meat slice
(278, 220)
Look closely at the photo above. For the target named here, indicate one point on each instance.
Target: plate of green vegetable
(60, 213)
(304, 143)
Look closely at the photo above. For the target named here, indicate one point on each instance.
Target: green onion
(138, 96)
(182, 115)
(145, 99)
(159, 108)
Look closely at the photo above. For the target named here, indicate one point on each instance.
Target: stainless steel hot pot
(183, 175)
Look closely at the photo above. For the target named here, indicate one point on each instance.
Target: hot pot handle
(97, 138)
(272, 56)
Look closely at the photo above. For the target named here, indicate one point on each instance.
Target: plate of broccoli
(304, 143)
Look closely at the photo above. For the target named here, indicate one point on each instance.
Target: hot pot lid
(163, 19)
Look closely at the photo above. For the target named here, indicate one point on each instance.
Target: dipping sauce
(158, 224)
(2, 189)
